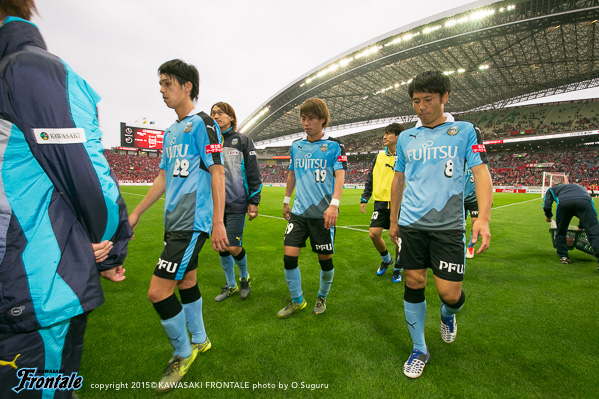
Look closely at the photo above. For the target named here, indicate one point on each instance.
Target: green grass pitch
(529, 327)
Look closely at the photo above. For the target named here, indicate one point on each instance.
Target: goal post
(550, 179)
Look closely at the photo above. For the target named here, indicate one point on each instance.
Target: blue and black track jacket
(242, 175)
(57, 194)
(563, 193)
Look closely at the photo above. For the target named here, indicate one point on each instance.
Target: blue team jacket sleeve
(252, 172)
(57, 195)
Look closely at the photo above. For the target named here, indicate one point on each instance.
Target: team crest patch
(173, 141)
(188, 127)
(324, 147)
(234, 141)
(452, 131)
(60, 136)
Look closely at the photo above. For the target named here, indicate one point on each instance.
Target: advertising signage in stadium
(139, 137)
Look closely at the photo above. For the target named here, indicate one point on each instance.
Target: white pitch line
(340, 227)
(349, 227)
(516, 203)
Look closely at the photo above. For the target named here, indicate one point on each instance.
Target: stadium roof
(497, 53)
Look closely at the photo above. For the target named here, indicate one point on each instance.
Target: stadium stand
(559, 117)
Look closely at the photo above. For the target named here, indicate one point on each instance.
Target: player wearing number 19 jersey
(430, 227)
(317, 169)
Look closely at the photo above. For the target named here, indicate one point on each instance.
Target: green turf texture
(529, 327)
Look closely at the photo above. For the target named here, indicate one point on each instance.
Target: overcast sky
(245, 50)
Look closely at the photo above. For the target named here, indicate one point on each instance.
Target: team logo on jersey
(234, 141)
(212, 148)
(233, 152)
(60, 136)
(173, 141)
(479, 148)
(452, 131)
(342, 158)
(12, 364)
(324, 147)
(17, 311)
(188, 127)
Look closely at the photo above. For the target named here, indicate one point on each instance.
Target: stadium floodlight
(407, 37)
(432, 29)
(254, 119)
(461, 70)
(346, 61)
(451, 23)
(446, 73)
(481, 14)
(483, 67)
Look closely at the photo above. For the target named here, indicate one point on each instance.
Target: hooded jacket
(57, 195)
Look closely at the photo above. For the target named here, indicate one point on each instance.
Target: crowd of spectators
(581, 164)
(133, 169)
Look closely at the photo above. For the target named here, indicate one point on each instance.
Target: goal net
(551, 179)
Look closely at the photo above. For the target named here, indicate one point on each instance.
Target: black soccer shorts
(472, 208)
(235, 223)
(300, 228)
(180, 254)
(380, 219)
(441, 251)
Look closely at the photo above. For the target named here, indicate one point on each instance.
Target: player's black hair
(430, 82)
(396, 128)
(183, 72)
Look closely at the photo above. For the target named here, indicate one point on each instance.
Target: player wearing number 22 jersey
(191, 146)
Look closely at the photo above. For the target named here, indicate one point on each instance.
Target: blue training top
(314, 165)
(191, 147)
(433, 162)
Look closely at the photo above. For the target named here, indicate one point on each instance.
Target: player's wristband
(286, 200)
(335, 202)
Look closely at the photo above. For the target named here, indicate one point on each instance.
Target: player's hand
(101, 250)
(394, 233)
(363, 207)
(330, 216)
(286, 211)
(220, 242)
(115, 274)
(481, 229)
(252, 211)
(548, 220)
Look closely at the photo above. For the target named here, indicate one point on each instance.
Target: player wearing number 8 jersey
(317, 170)
(430, 226)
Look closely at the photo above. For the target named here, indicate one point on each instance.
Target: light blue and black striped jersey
(314, 165)
(469, 189)
(432, 160)
(191, 147)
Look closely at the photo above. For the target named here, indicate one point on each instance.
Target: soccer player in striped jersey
(192, 177)
(316, 173)
(429, 186)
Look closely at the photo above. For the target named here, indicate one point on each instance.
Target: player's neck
(184, 109)
(315, 137)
